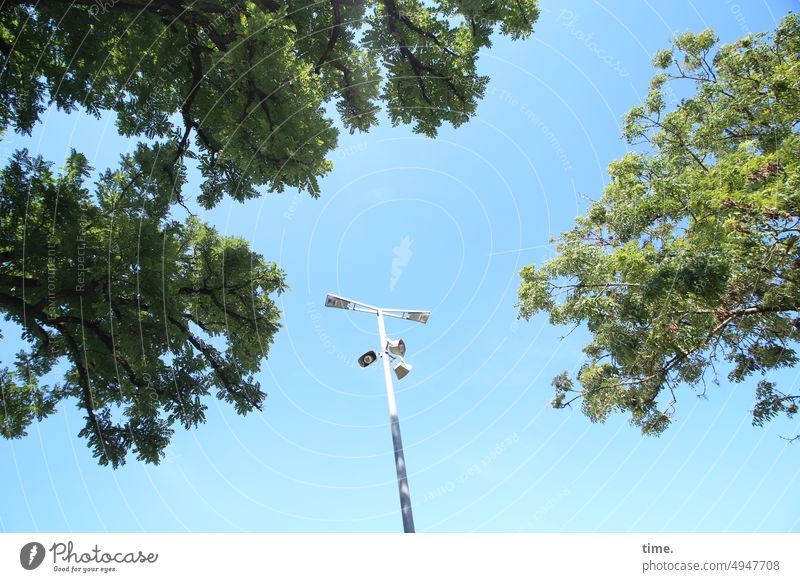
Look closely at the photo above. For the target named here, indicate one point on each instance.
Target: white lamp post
(390, 349)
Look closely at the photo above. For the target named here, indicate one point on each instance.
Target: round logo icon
(31, 555)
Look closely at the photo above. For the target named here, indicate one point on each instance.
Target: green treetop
(241, 85)
(150, 314)
(690, 258)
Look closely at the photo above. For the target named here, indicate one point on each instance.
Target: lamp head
(338, 302)
(366, 359)
(418, 316)
(401, 369)
(396, 347)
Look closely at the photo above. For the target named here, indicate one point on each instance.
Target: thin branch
(335, 31)
(212, 356)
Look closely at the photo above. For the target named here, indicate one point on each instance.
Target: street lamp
(394, 350)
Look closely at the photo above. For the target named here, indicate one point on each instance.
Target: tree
(691, 256)
(151, 314)
(249, 79)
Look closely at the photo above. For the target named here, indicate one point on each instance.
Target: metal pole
(399, 459)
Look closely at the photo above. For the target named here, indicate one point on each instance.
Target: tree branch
(212, 356)
(335, 31)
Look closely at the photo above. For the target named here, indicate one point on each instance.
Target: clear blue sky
(457, 217)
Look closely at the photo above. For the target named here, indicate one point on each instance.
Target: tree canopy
(690, 259)
(150, 313)
(241, 86)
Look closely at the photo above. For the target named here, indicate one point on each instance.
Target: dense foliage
(691, 256)
(247, 81)
(151, 314)
(148, 313)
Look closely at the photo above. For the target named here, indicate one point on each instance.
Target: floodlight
(419, 316)
(366, 359)
(401, 369)
(396, 347)
(338, 302)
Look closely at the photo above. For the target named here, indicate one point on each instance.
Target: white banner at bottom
(389, 557)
